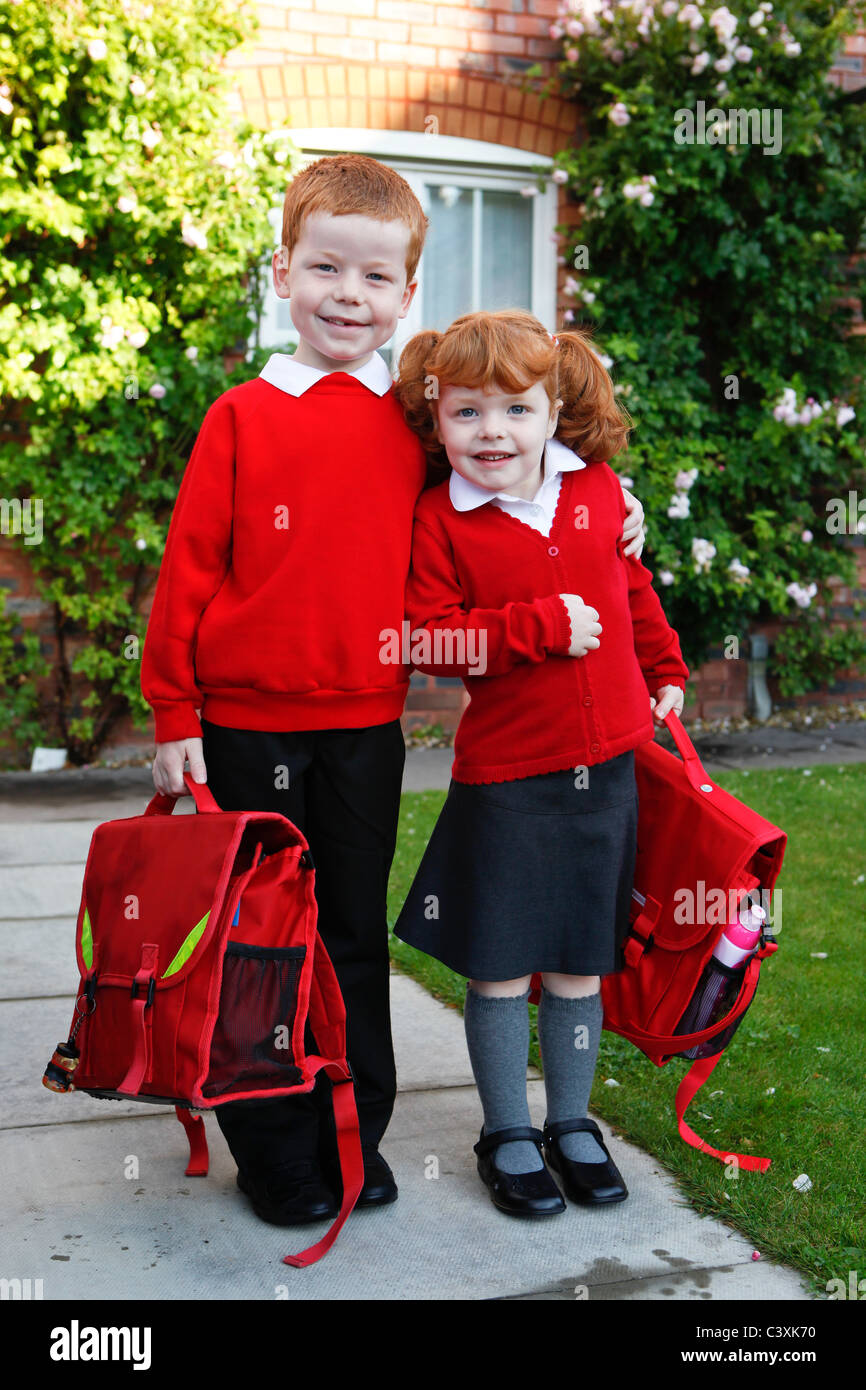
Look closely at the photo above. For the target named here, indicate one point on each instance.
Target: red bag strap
(686, 1092)
(195, 1133)
(163, 805)
(694, 767)
(143, 987)
(327, 1018)
(349, 1149)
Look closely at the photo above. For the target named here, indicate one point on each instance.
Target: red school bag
(201, 963)
(695, 842)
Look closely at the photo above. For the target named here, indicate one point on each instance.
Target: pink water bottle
(721, 979)
(740, 938)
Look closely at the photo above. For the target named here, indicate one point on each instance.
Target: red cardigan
(485, 587)
(286, 557)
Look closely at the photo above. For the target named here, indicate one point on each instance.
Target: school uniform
(286, 557)
(531, 862)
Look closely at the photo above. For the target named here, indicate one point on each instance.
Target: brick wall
(390, 65)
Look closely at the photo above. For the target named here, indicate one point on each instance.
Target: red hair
(343, 184)
(512, 350)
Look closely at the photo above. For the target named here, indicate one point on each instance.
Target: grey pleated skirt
(532, 874)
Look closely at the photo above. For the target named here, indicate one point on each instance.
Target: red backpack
(694, 842)
(200, 964)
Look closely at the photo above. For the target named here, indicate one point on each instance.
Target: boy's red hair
(512, 350)
(344, 184)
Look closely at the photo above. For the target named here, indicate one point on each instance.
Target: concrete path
(96, 1201)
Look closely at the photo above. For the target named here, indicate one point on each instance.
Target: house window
(489, 245)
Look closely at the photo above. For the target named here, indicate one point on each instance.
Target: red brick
(440, 36)
(533, 26)
(413, 54)
(355, 50)
(404, 13)
(472, 126)
(462, 19)
(543, 48)
(387, 29)
(494, 96)
(497, 43)
(475, 93)
(320, 111)
(319, 23)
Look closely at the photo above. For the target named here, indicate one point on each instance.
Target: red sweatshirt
(483, 603)
(286, 557)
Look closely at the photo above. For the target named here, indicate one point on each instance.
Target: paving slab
(105, 1211)
(45, 843)
(38, 954)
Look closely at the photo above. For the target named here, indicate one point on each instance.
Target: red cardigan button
(587, 699)
(553, 550)
(595, 748)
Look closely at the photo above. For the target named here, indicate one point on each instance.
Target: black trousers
(343, 793)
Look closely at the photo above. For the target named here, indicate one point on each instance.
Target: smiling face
(346, 286)
(496, 439)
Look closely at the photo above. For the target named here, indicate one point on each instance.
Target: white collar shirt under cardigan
(538, 511)
(281, 370)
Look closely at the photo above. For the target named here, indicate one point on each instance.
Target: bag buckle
(151, 990)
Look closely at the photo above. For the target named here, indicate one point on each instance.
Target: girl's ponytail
(415, 389)
(591, 422)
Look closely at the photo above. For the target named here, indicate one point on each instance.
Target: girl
(519, 585)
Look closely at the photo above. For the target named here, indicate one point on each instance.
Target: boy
(286, 558)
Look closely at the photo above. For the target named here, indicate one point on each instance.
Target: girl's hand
(168, 765)
(672, 698)
(585, 626)
(633, 529)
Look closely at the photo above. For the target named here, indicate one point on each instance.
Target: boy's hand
(168, 766)
(672, 698)
(585, 626)
(633, 527)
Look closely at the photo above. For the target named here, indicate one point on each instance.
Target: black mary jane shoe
(518, 1194)
(590, 1184)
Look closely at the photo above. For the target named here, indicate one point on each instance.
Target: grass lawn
(804, 1036)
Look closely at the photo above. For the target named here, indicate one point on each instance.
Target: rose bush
(720, 256)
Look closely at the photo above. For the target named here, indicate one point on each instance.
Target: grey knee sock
(497, 1035)
(568, 1058)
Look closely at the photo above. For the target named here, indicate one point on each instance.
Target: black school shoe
(292, 1194)
(590, 1184)
(379, 1188)
(517, 1194)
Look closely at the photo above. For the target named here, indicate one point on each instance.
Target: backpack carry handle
(163, 805)
(694, 767)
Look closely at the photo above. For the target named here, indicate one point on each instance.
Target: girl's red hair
(512, 350)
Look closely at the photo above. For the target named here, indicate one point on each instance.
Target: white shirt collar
(466, 495)
(283, 371)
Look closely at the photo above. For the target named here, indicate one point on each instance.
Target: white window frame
(432, 159)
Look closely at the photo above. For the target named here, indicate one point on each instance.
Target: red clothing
(483, 576)
(287, 555)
